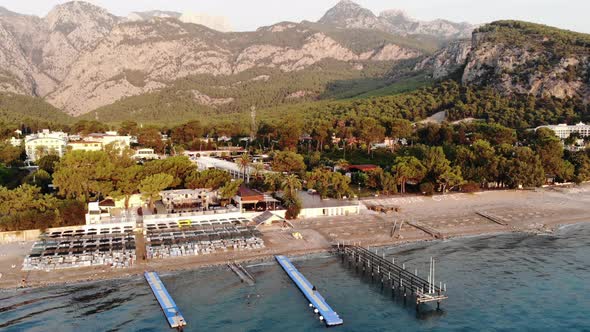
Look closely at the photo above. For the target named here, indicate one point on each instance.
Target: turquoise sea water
(511, 282)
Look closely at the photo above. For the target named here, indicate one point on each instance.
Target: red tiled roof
(248, 194)
(363, 168)
(107, 202)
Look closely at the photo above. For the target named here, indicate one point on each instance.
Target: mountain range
(81, 59)
(347, 14)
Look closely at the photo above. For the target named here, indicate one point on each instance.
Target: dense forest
(559, 42)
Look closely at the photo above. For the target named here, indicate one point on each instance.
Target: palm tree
(273, 180)
(243, 163)
(291, 183)
(257, 168)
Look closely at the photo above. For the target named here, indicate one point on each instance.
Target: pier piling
(424, 291)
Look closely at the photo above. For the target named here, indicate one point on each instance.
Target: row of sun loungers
(201, 240)
(79, 248)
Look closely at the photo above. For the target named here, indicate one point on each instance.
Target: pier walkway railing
(397, 277)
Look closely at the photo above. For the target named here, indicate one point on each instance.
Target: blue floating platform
(168, 305)
(315, 298)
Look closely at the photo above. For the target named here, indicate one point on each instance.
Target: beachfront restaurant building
(188, 200)
(313, 206)
(249, 200)
(109, 211)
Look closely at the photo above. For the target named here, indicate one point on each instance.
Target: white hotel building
(51, 142)
(564, 131)
(46, 142)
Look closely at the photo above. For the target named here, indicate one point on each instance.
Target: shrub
(470, 187)
(427, 188)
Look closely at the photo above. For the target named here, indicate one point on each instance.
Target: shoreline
(455, 216)
(264, 258)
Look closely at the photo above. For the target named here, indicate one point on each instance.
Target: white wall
(329, 211)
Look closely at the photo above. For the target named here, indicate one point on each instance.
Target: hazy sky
(250, 14)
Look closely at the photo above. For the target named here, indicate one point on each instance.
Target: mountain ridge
(80, 58)
(348, 14)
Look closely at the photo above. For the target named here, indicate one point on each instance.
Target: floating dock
(329, 316)
(168, 305)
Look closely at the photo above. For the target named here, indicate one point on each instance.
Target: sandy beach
(452, 215)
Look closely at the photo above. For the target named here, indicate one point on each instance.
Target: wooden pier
(428, 230)
(242, 273)
(401, 281)
(493, 218)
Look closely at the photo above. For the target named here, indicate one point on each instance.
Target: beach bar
(168, 305)
(329, 316)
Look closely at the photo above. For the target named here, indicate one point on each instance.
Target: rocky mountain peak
(147, 15)
(6, 12)
(70, 16)
(396, 14)
(349, 14)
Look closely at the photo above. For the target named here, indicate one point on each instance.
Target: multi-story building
(44, 143)
(47, 142)
(85, 146)
(97, 142)
(188, 200)
(564, 131)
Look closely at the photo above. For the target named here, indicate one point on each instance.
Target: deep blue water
(512, 282)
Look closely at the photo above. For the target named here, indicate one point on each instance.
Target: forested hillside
(15, 108)
(458, 101)
(200, 95)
